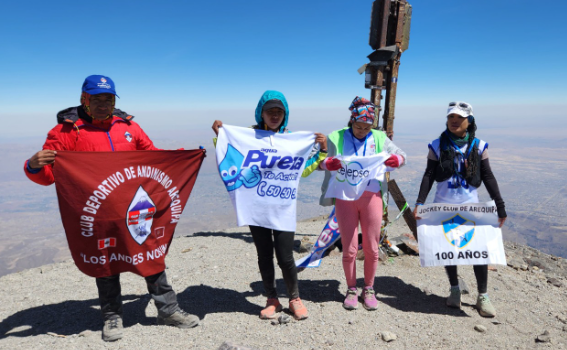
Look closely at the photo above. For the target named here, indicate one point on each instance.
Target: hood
(72, 114)
(270, 95)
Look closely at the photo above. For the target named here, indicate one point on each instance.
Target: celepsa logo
(353, 173)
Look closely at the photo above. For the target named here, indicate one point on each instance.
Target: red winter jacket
(118, 133)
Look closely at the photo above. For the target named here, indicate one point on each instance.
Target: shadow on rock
(71, 317)
(316, 291)
(245, 236)
(202, 300)
(320, 291)
(408, 298)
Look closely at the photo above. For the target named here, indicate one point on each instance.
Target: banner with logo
(120, 209)
(261, 172)
(326, 239)
(350, 181)
(459, 234)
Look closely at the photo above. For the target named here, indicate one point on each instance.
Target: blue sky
(196, 61)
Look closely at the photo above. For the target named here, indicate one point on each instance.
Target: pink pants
(367, 209)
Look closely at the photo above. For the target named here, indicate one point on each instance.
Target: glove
(394, 161)
(331, 164)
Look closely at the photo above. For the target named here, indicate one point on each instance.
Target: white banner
(349, 182)
(459, 234)
(261, 172)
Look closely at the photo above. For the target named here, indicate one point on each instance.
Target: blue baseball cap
(99, 84)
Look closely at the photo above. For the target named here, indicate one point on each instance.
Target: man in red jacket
(96, 126)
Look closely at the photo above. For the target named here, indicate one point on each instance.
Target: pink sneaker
(351, 300)
(370, 302)
(298, 309)
(271, 310)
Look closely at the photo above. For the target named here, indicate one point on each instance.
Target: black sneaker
(179, 319)
(112, 330)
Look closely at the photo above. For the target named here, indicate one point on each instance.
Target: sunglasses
(461, 105)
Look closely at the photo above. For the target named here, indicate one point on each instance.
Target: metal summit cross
(389, 37)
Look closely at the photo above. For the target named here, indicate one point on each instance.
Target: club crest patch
(459, 231)
(140, 216)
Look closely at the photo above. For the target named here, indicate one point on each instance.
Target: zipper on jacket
(110, 140)
(108, 134)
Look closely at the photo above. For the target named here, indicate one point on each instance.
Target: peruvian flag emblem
(107, 243)
(140, 216)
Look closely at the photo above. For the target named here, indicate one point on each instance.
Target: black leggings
(480, 272)
(283, 244)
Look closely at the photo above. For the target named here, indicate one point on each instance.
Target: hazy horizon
(527, 162)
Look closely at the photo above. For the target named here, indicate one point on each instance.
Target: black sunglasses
(460, 104)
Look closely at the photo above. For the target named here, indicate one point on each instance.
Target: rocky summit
(216, 277)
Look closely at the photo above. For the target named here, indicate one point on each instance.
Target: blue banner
(326, 239)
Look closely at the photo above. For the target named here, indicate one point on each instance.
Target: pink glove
(394, 161)
(331, 164)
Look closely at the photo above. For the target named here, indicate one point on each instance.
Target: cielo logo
(103, 80)
(353, 173)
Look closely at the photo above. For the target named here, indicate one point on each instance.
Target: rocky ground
(216, 277)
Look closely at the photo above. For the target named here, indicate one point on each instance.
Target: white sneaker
(484, 306)
(112, 330)
(179, 319)
(454, 299)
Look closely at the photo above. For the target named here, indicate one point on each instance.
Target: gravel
(216, 277)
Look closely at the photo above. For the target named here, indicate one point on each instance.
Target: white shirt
(353, 146)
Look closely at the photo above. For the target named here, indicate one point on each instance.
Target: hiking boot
(271, 310)
(298, 309)
(179, 319)
(454, 299)
(351, 299)
(112, 330)
(370, 303)
(484, 306)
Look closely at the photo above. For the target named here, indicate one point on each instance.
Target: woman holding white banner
(272, 114)
(458, 161)
(359, 140)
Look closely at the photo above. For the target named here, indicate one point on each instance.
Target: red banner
(120, 209)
